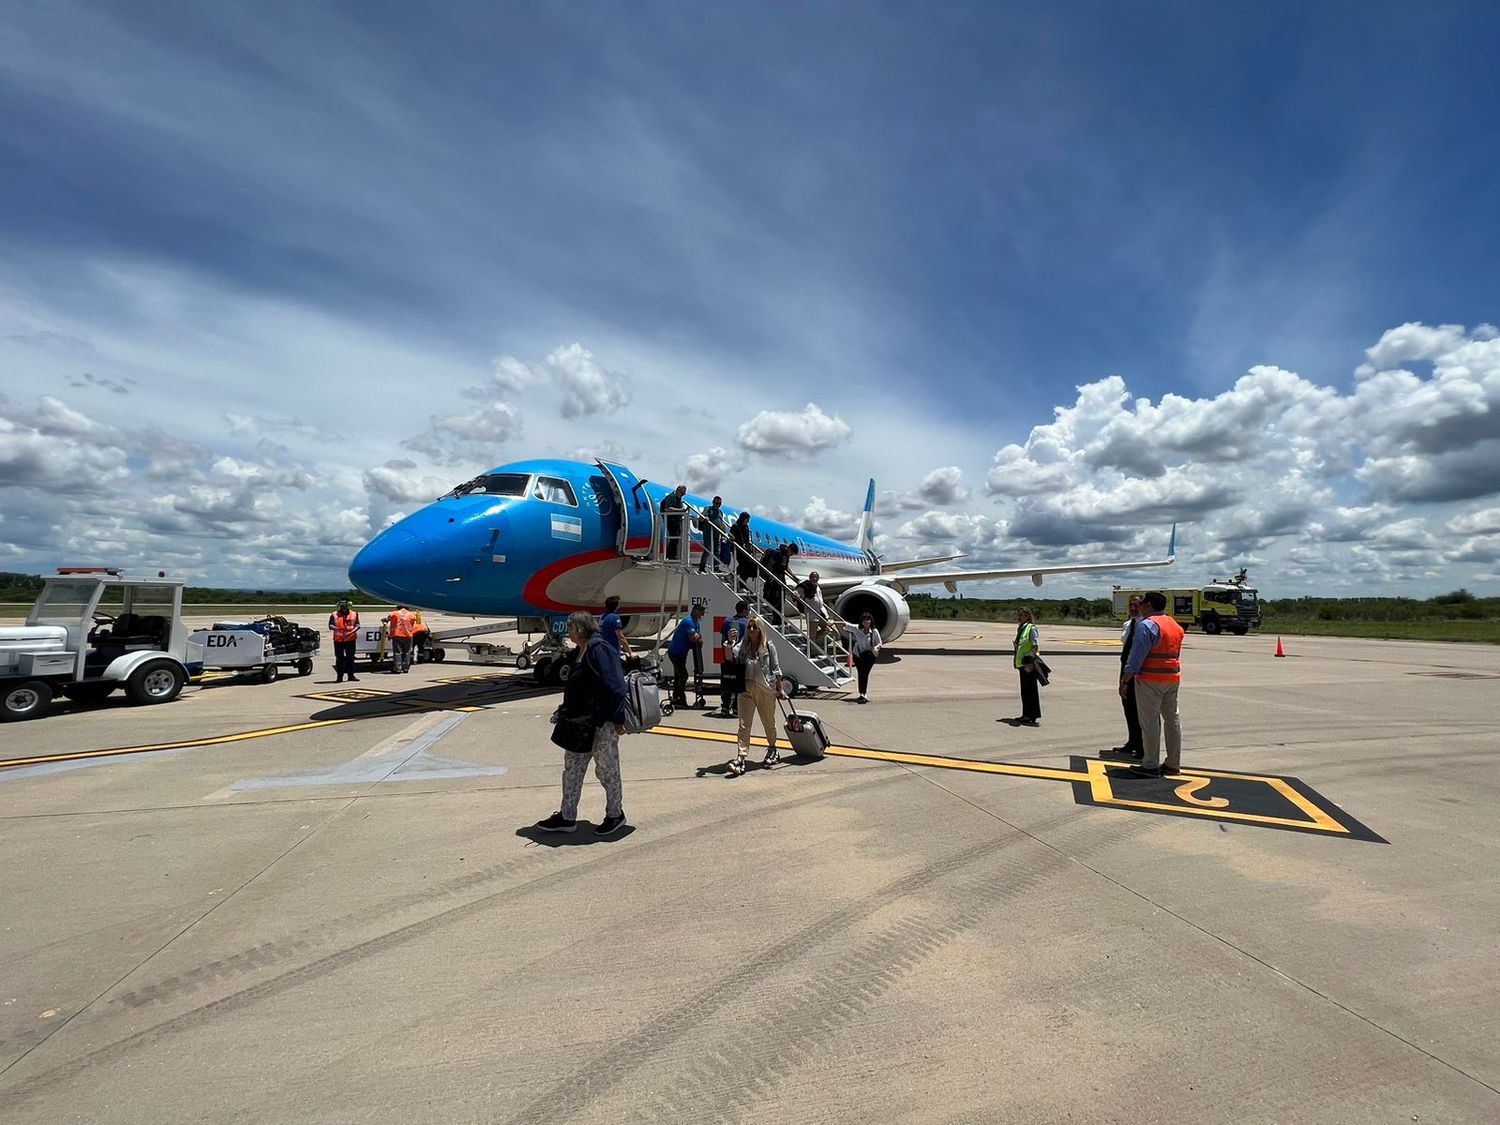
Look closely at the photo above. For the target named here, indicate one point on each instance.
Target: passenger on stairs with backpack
(763, 688)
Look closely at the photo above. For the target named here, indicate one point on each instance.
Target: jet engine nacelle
(885, 606)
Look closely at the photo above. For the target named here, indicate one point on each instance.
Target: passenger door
(638, 517)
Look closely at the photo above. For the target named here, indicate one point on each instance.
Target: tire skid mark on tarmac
(270, 953)
(818, 1004)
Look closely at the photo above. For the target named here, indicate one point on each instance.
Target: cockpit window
(494, 484)
(554, 490)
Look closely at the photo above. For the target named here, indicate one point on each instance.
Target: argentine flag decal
(567, 527)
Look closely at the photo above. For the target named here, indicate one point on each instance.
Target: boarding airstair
(810, 649)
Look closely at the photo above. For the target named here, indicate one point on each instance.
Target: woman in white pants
(762, 689)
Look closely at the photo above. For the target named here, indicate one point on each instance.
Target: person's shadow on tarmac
(584, 835)
(721, 769)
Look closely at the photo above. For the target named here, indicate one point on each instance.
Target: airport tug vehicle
(70, 645)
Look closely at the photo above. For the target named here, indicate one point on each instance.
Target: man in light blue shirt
(689, 632)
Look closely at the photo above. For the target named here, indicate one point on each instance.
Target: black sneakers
(559, 823)
(772, 757)
(611, 825)
(735, 766)
(1137, 771)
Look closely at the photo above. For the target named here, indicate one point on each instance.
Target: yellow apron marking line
(210, 740)
(1098, 780)
(1096, 776)
(971, 764)
(222, 739)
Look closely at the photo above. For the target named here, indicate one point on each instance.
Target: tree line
(1459, 605)
(25, 587)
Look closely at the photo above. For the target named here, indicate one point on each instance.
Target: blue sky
(239, 232)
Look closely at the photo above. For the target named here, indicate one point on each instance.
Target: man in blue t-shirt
(688, 633)
(732, 634)
(612, 627)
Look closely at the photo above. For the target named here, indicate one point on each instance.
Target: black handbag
(574, 735)
(732, 677)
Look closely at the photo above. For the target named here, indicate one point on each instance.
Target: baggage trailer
(373, 645)
(74, 646)
(263, 647)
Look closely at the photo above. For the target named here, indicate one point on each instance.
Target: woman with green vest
(1028, 647)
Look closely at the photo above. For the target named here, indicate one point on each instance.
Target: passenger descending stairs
(812, 664)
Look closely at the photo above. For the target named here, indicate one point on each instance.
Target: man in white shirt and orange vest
(343, 623)
(403, 626)
(1155, 668)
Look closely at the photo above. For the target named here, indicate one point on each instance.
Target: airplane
(543, 538)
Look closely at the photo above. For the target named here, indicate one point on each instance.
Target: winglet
(1172, 546)
(866, 539)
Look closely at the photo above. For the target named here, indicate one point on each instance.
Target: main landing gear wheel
(304, 667)
(562, 671)
(25, 700)
(157, 682)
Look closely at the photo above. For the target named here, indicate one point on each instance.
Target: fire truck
(1224, 604)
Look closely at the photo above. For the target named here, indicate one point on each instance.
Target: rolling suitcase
(805, 734)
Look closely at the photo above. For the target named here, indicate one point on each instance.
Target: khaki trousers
(1156, 707)
(759, 699)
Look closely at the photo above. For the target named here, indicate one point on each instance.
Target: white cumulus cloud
(786, 432)
(705, 472)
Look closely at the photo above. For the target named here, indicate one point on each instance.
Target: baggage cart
(263, 647)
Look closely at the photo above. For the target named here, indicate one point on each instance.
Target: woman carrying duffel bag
(588, 726)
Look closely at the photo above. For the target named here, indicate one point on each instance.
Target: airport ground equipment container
(1231, 605)
(91, 632)
(373, 645)
(264, 647)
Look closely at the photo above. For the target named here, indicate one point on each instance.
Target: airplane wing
(912, 564)
(895, 576)
(951, 578)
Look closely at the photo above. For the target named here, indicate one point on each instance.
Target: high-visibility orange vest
(403, 623)
(345, 626)
(1163, 664)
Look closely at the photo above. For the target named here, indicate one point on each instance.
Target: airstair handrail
(824, 659)
(836, 624)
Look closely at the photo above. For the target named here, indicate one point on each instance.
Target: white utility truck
(71, 646)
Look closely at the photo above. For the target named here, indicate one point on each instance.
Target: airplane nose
(390, 566)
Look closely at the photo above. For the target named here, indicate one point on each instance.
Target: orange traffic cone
(1279, 650)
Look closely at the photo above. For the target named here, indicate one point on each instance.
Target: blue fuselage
(543, 537)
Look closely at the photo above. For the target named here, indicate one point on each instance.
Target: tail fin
(865, 541)
(1172, 546)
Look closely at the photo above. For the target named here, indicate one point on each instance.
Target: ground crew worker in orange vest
(344, 624)
(1155, 667)
(403, 625)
